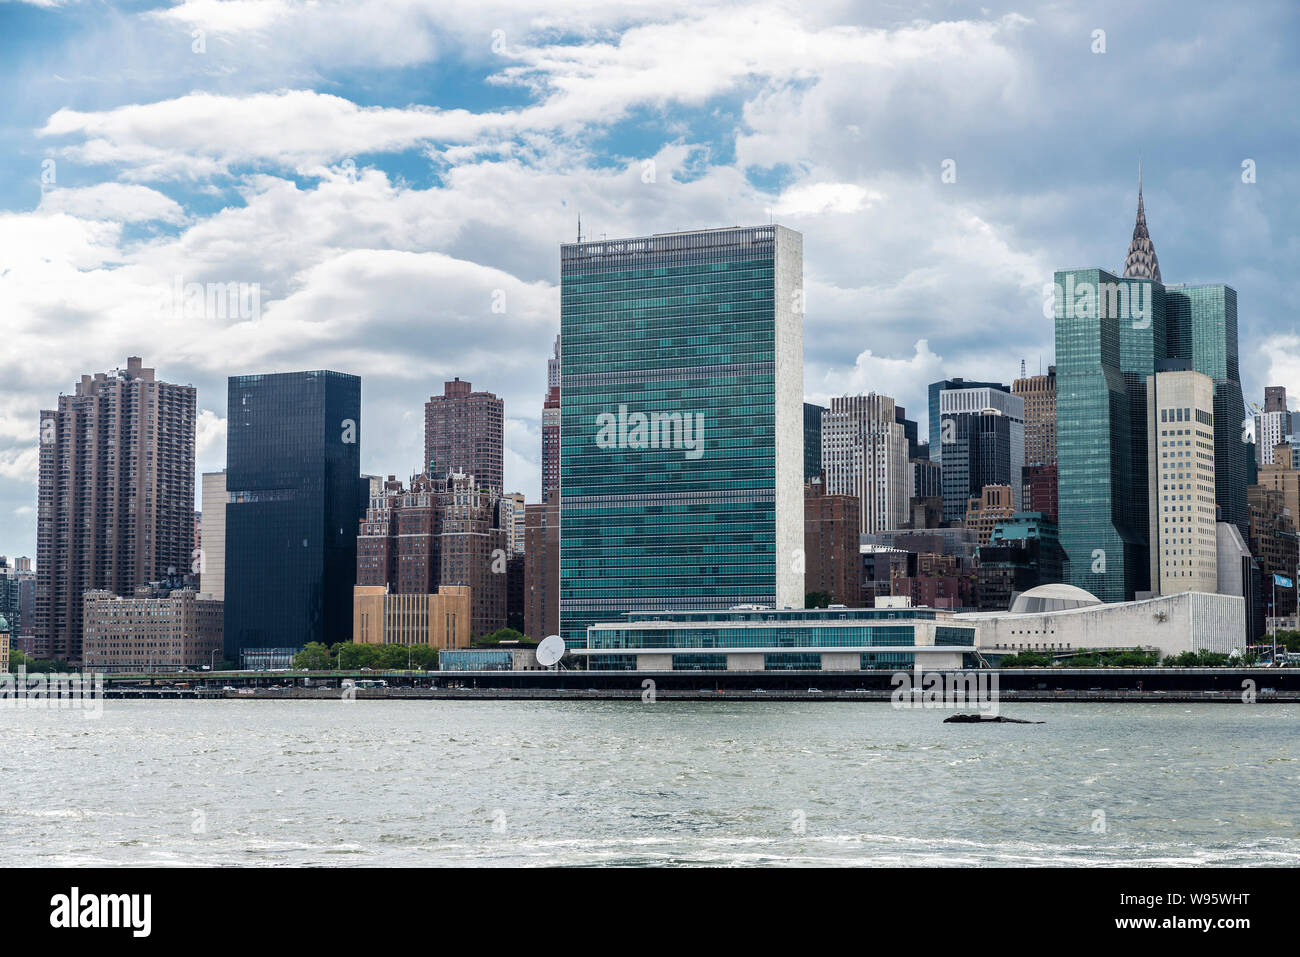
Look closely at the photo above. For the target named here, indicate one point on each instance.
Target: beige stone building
(1039, 393)
(212, 567)
(864, 454)
(995, 504)
(157, 630)
(441, 620)
(1180, 473)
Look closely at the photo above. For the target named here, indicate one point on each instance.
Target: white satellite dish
(550, 650)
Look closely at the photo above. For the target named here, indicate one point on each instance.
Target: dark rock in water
(980, 719)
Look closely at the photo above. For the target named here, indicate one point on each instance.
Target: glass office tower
(1201, 324)
(293, 476)
(979, 454)
(681, 445)
(812, 440)
(935, 417)
(1109, 334)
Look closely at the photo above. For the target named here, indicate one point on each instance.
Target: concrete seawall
(1264, 685)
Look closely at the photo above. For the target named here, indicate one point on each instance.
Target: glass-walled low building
(518, 658)
(476, 660)
(765, 639)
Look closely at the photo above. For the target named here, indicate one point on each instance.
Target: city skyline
(424, 175)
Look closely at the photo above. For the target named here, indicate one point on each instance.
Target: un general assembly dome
(1047, 598)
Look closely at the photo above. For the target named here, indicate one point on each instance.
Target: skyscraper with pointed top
(1111, 334)
(1141, 261)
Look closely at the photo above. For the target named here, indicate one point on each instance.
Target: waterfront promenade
(1229, 685)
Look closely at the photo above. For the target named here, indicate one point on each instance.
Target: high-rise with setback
(463, 434)
(551, 429)
(864, 454)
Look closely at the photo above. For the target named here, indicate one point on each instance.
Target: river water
(339, 783)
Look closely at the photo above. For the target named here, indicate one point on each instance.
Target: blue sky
(385, 171)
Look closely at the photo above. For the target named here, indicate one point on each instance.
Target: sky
(390, 181)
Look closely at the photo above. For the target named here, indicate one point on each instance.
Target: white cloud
(202, 134)
(20, 463)
(113, 201)
(885, 375)
(813, 199)
(846, 125)
(210, 431)
(684, 62)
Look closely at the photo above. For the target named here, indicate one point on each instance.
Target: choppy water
(599, 783)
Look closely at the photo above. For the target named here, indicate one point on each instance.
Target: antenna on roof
(579, 226)
(1022, 368)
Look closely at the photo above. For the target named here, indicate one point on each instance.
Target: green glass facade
(1110, 333)
(1103, 355)
(704, 326)
(1202, 327)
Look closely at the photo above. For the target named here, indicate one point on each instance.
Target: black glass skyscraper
(935, 388)
(293, 474)
(980, 453)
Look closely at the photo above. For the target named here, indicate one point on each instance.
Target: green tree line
(1129, 658)
(349, 656)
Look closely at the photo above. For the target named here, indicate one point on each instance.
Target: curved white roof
(1054, 597)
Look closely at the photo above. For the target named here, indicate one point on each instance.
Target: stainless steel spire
(1141, 261)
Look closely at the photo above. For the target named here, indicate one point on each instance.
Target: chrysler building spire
(1141, 261)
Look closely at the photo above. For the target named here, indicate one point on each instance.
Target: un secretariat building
(681, 424)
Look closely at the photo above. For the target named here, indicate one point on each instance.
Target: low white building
(1061, 617)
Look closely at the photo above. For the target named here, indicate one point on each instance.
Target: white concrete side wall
(943, 662)
(788, 311)
(746, 662)
(1187, 621)
(1218, 622)
(841, 661)
(212, 528)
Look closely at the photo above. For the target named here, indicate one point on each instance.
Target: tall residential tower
(116, 500)
(463, 433)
